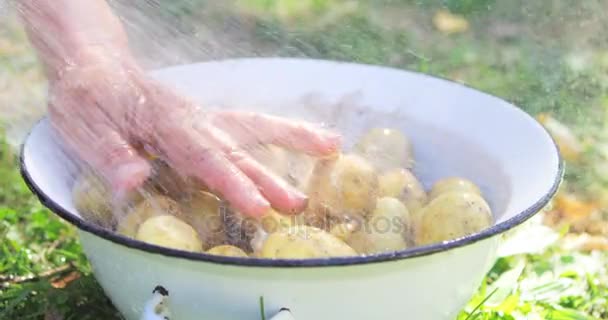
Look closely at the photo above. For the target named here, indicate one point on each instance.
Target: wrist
(87, 55)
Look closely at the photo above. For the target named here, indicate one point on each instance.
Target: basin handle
(284, 314)
(156, 307)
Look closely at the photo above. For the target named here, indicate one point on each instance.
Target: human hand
(107, 108)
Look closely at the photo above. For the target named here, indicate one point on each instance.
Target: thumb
(119, 162)
(108, 153)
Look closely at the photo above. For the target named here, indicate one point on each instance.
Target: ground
(547, 57)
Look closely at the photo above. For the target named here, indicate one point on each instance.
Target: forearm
(66, 32)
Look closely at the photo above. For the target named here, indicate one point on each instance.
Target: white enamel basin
(455, 131)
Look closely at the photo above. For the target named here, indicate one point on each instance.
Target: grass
(45, 275)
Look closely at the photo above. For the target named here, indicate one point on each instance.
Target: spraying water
(145, 150)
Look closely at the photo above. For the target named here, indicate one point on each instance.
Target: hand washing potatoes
(363, 201)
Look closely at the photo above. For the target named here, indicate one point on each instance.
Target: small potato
(346, 184)
(273, 221)
(452, 215)
(171, 232)
(202, 210)
(453, 184)
(344, 230)
(150, 207)
(302, 242)
(385, 230)
(386, 149)
(403, 185)
(228, 251)
(92, 199)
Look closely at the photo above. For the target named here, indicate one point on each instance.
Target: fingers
(277, 191)
(282, 195)
(199, 156)
(300, 136)
(221, 175)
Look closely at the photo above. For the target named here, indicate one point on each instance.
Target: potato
(169, 231)
(386, 149)
(301, 242)
(348, 184)
(403, 185)
(273, 221)
(93, 199)
(385, 230)
(453, 184)
(202, 210)
(452, 215)
(153, 206)
(227, 250)
(344, 230)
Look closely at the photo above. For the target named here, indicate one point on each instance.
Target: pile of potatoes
(361, 202)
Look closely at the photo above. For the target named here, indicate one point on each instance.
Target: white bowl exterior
(431, 287)
(518, 167)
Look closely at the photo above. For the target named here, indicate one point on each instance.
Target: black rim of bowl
(418, 251)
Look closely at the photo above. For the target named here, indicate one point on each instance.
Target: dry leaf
(449, 23)
(569, 145)
(62, 282)
(584, 242)
(573, 208)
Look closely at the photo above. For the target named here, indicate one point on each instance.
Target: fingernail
(258, 207)
(300, 202)
(334, 141)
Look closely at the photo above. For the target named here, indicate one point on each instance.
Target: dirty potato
(385, 230)
(386, 149)
(453, 184)
(403, 185)
(348, 184)
(452, 215)
(228, 251)
(169, 231)
(150, 207)
(302, 242)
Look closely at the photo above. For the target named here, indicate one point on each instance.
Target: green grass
(40, 253)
